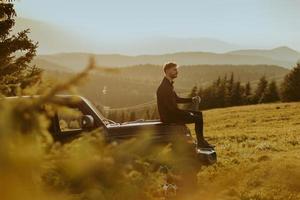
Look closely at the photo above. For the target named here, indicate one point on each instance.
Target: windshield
(95, 109)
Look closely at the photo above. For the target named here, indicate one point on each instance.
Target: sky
(251, 23)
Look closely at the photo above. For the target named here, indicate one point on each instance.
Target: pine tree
(218, 82)
(148, 115)
(260, 90)
(271, 93)
(112, 115)
(220, 92)
(236, 97)
(15, 71)
(247, 89)
(290, 88)
(231, 82)
(247, 94)
(132, 116)
(207, 97)
(229, 87)
(120, 116)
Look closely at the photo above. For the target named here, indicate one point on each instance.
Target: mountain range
(281, 56)
(155, 50)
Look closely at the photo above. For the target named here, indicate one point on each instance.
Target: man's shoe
(204, 144)
(210, 145)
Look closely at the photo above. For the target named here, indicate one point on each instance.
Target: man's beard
(174, 76)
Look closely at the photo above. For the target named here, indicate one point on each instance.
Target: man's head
(170, 70)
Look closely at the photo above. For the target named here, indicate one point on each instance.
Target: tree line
(227, 91)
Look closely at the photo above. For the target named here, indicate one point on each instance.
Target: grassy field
(258, 153)
(258, 159)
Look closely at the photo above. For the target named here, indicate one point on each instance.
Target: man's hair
(169, 65)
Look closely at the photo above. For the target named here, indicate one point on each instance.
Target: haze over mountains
(51, 38)
(155, 50)
(56, 39)
(63, 52)
(282, 56)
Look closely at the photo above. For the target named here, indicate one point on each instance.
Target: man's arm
(182, 100)
(170, 103)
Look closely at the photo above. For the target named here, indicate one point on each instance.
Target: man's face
(172, 72)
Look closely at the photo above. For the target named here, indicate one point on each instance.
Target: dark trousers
(197, 118)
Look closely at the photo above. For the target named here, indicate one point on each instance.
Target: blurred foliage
(33, 166)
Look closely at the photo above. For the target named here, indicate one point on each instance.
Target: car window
(69, 119)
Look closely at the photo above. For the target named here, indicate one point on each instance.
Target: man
(167, 100)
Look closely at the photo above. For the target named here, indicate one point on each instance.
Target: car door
(67, 122)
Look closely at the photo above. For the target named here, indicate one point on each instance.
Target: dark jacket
(167, 100)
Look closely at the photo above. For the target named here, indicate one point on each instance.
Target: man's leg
(197, 118)
(199, 126)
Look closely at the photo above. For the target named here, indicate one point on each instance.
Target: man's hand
(196, 99)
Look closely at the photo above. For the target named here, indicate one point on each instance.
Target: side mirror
(87, 122)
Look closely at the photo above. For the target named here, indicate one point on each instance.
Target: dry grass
(258, 153)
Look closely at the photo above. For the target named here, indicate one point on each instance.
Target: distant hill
(78, 61)
(134, 85)
(190, 75)
(152, 50)
(280, 53)
(50, 66)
